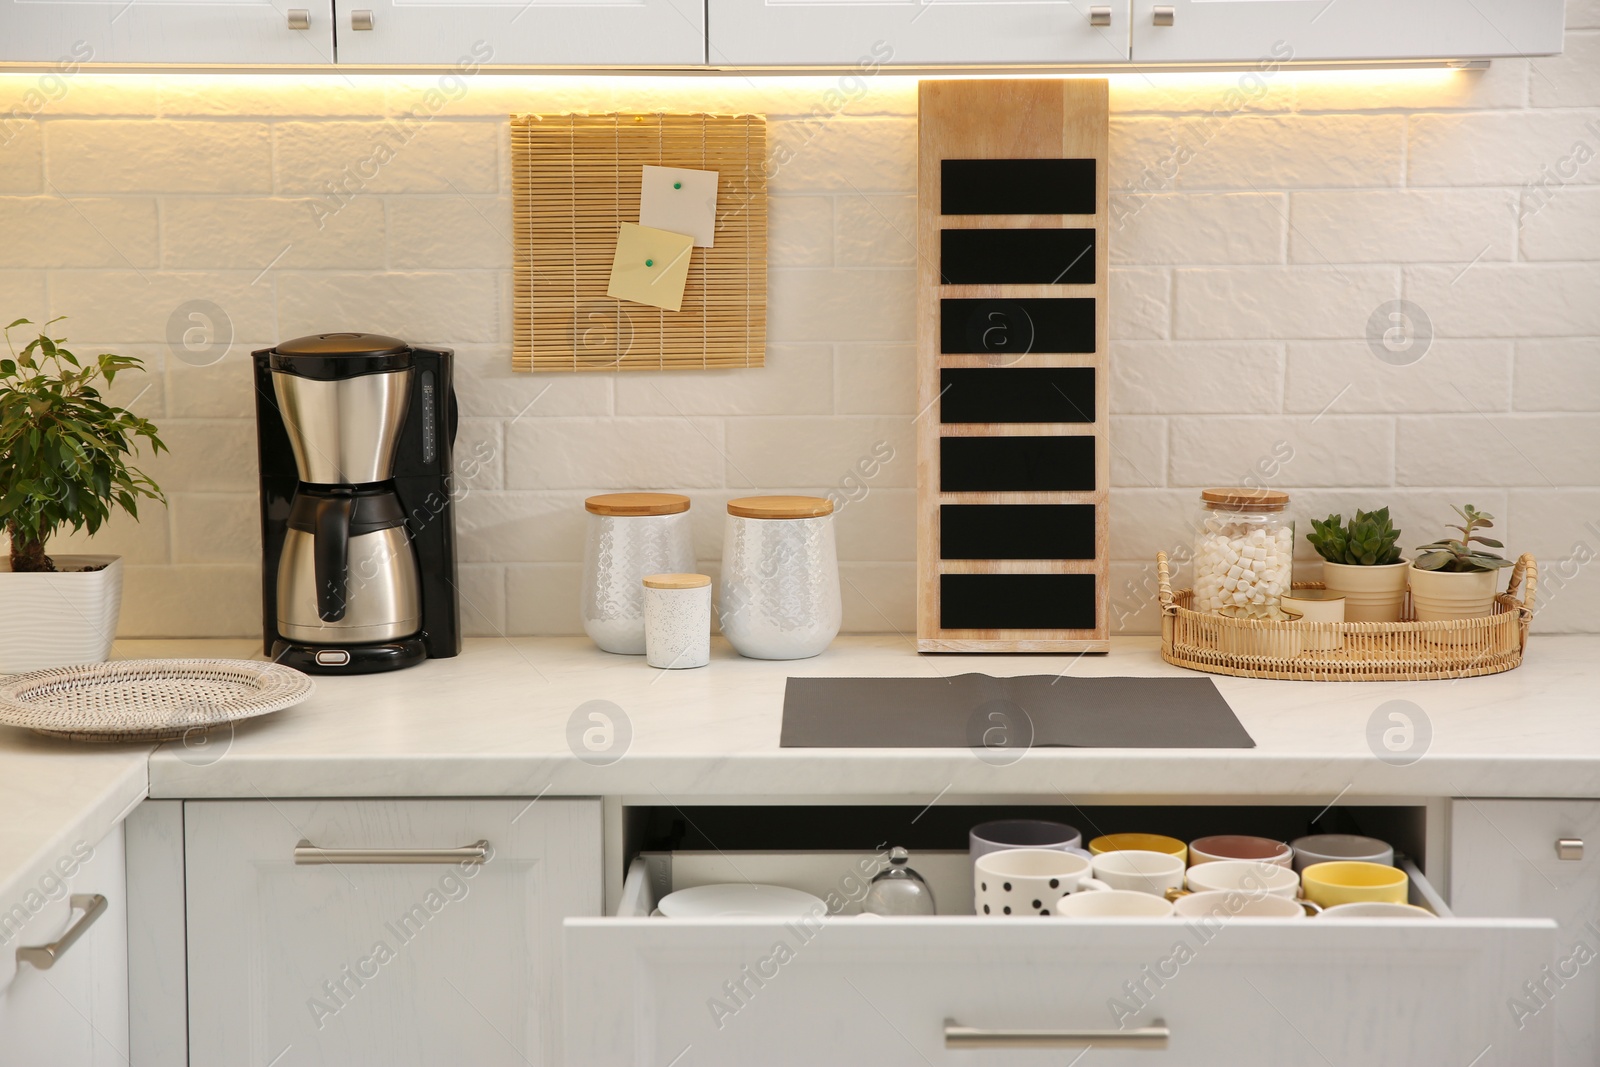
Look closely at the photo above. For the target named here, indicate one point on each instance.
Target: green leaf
(20, 322)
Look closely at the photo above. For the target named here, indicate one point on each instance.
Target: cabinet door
(467, 34)
(390, 955)
(1505, 860)
(1275, 31)
(868, 35)
(73, 32)
(75, 1012)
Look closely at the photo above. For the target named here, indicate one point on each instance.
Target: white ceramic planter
(60, 618)
(1438, 596)
(1371, 594)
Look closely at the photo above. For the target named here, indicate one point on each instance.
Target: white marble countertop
(495, 721)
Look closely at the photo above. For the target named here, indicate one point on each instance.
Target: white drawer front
(736, 992)
(370, 961)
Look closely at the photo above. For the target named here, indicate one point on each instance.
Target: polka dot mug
(1028, 881)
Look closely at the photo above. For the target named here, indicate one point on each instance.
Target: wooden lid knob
(676, 581)
(637, 504)
(780, 507)
(1242, 499)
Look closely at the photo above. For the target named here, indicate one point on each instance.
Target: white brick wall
(1250, 254)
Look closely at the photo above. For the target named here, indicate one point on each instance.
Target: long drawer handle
(44, 957)
(1147, 1037)
(307, 854)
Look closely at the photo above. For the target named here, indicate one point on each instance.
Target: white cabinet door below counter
(402, 951)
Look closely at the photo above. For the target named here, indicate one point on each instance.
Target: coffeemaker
(354, 433)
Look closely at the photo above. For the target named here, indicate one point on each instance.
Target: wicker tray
(147, 699)
(1361, 652)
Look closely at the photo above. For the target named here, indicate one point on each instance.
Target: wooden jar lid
(780, 507)
(637, 504)
(676, 581)
(1241, 499)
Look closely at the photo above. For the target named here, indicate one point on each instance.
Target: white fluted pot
(1371, 594)
(59, 618)
(630, 535)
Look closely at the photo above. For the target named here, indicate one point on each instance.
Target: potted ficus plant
(1453, 579)
(64, 462)
(1360, 562)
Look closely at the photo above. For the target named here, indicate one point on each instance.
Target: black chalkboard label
(1017, 187)
(1013, 328)
(1016, 257)
(1016, 394)
(1016, 464)
(1016, 531)
(1017, 601)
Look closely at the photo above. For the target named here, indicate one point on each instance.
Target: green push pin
(649, 262)
(677, 185)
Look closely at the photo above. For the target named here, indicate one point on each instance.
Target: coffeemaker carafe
(345, 577)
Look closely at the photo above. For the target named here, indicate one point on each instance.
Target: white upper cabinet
(523, 32)
(1277, 31)
(869, 36)
(74, 32)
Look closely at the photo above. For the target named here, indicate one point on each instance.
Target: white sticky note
(680, 201)
(650, 266)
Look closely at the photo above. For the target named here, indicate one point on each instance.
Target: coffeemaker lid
(330, 356)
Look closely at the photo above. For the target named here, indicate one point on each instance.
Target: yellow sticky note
(651, 266)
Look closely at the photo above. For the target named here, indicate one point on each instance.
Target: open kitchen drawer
(963, 990)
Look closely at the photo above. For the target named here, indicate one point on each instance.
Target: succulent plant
(1449, 554)
(1368, 540)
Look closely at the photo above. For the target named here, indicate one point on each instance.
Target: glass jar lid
(1242, 499)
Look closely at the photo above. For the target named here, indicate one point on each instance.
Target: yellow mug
(1139, 843)
(1353, 882)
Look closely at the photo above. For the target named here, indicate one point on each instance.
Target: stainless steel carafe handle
(1154, 1036)
(330, 553)
(306, 854)
(44, 957)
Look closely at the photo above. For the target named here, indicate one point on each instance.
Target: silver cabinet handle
(1569, 848)
(1163, 14)
(1100, 16)
(44, 957)
(361, 19)
(308, 855)
(299, 18)
(1145, 1037)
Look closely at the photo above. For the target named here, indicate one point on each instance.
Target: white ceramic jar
(780, 577)
(677, 620)
(630, 535)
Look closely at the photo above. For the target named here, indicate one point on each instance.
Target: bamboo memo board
(575, 179)
(1013, 458)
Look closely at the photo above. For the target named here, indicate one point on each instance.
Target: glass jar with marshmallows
(1243, 552)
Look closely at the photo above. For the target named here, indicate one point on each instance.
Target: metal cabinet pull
(306, 854)
(1100, 16)
(1569, 848)
(44, 957)
(299, 18)
(1163, 14)
(361, 19)
(1153, 1036)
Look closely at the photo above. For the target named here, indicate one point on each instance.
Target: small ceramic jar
(630, 535)
(677, 620)
(780, 577)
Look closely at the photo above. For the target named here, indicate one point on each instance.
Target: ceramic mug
(1352, 882)
(1239, 847)
(1327, 848)
(1245, 876)
(1114, 904)
(989, 837)
(1140, 843)
(1140, 872)
(1377, 909)
(1220, 904)
(1028, 881)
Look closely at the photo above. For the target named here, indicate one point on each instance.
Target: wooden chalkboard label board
(1013, 459)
